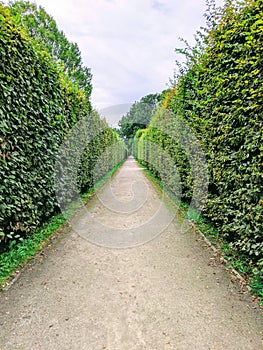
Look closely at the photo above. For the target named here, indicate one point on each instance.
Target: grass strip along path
(128, 277)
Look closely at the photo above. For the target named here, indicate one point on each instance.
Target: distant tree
(138, 117)
(43, 28)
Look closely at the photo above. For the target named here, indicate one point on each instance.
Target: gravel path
(169, 293)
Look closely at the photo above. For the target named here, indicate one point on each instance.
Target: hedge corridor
(39, 104)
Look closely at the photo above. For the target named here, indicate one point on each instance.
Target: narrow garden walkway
(86, 293)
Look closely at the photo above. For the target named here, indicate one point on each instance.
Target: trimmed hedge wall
(219, 94)
(38, 107)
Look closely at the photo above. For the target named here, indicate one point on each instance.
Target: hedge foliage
(219, 95)
(39, 105)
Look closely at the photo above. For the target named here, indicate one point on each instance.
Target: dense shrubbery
(138, 117)
(39, 104)
(219, 94)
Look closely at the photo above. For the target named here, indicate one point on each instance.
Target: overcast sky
(128, 44)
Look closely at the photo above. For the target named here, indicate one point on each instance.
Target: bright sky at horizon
(129, 45)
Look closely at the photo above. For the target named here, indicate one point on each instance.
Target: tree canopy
(139, 116)
(43, 28)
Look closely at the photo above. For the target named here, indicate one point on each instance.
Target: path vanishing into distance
(126, 276)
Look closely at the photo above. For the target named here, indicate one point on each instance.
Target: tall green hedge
(233, 114)
(219, 94)
(43, 29)
(39, 104)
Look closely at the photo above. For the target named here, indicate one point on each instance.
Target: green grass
(20, 252)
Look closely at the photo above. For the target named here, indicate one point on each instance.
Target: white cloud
(129, 45)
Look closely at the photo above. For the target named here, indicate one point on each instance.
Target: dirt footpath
(120, 294)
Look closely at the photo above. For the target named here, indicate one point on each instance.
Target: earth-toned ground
(128, 277)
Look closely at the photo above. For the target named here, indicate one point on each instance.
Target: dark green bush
(39, 104)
